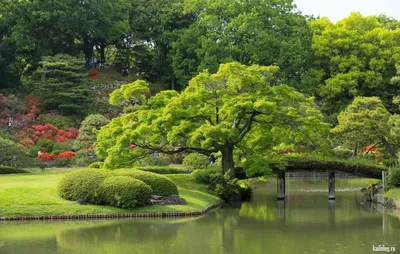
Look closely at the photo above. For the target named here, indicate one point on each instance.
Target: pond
(305, 223)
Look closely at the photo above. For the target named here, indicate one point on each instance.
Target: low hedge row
(125, 188)
(11, 170)
(161, 185)
(165, 170)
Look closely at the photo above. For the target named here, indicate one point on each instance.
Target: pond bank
(34, 196)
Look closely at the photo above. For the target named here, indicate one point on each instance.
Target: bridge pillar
(281, 185)
(331, 187)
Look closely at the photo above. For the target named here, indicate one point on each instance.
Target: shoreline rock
(167, 200)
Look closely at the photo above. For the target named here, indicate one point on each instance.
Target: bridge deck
(363, 170)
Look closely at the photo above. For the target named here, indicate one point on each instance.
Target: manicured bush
(161, 185)
(196, 161)
(97, 164)
(154, 161)
(165, 170)
(394, 177)
(125, 192)
(11, 170)
(206, 176)
(83, 184)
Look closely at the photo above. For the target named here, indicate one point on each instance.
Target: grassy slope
(393, 193)
(35, 194)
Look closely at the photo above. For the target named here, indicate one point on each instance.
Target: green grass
(35, 194)
(393, 193)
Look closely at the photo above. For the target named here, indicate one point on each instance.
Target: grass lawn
(35, 194)
(393, 193)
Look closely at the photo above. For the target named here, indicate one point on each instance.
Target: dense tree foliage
(60, 83)
(354, 57)
(250, 32)
(237, 107)
(365, 121)
(243, 77)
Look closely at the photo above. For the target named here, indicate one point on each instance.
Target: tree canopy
(354, 57)
(239, 107)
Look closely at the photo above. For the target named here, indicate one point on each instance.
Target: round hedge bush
(83, 184)
(161, 185)
(196, 161)
(125, 192)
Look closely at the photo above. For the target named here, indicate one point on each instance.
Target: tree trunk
(102, 52)
(88, 47)
(227, 159)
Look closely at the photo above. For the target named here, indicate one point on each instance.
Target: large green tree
(236, 108)
(250, 32)
(366, 121)
(354, 57)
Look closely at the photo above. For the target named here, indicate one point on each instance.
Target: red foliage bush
(66, 155)
(23, 112)
(31, 135)
(44, 157)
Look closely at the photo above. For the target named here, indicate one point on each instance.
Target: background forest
(60, 60)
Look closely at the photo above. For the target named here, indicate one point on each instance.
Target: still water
(305, 223)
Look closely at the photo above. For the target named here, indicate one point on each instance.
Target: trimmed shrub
(97, 164)
(161, 185)
(11, 170)
(154, 161)
(83, 184)
(207, 176)
(125, 192)
(196, 161)
(165, 170)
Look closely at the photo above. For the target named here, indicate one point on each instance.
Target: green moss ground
(35, 194)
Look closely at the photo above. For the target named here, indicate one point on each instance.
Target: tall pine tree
(61, 84)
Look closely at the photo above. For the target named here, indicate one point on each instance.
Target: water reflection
(307, 222)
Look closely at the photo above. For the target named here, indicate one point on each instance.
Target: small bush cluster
(125, 192)
(160, 185)
(124, 188)
(154, 161)
(83, 184)
(206, 176)
(196, 161)
(164, 170)
(11, 170)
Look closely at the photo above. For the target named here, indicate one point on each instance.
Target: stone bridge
(362, 170)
